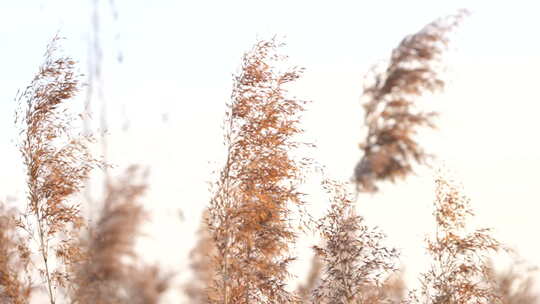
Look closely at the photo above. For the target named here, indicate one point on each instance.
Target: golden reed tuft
(249, 213)
(57, 164)
(392, 114)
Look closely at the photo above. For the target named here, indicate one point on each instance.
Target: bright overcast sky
(178, 58)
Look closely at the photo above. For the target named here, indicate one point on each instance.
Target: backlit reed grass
(106, 276)
(353, 255)
(459, 272)
(392, 113)
(248, 230)
(57, 162)
(249, 215)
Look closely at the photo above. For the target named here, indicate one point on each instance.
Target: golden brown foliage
(14, 259)
(459, 273)
(392, 113)
(243, 252)
(57, 164)
(249, 213)
(105, 276)
(353, 255)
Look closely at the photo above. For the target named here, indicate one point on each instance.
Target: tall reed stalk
(249, 215)
(459, 272)
(57, 164)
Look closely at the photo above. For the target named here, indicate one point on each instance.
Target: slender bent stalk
(57, 165)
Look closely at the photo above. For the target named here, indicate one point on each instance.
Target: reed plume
(105, 276)
(57, 164)
(393, 115)
(353, 255)
(459, 271)
(249, 213)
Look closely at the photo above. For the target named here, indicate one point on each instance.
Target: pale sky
(178, 58)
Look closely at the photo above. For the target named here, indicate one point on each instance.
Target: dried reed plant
(353, 255)
(249, 214)
(14, 260)
(392, 291)
(459, 273)
(105, 276)
(392, 113)
(57, 164)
